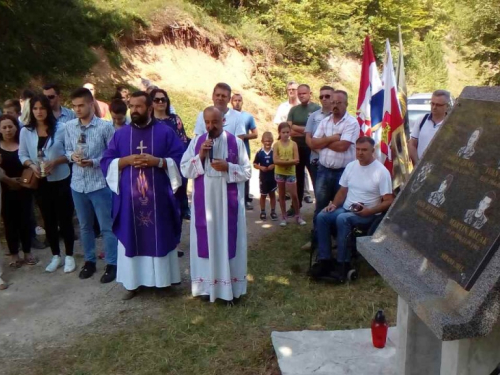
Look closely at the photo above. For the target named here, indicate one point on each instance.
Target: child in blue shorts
(264, 163)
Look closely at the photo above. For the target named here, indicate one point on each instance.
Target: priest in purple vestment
(218, 163)
(141, 166)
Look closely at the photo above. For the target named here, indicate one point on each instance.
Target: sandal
(30, 260)
(3, 286)
(263, 216)
(16, 264)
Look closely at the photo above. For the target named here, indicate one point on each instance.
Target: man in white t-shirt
(233, 122)
(424, 128)
(284, 108)
(365, 191)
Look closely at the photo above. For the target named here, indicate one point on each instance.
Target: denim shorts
(285, 178)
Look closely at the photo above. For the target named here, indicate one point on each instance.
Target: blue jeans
(327, 185)
(313, 171)
(340, 223)
(98, 202)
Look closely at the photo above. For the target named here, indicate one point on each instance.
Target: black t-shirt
(265, 159)
(41, 142)
(11, 163)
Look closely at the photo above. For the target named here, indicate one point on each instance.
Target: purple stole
(232, 202)
(142, 183)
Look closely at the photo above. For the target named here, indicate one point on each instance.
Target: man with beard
(141, 168)
(218, 163)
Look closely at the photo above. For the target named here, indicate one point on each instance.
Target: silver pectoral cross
(141, 147)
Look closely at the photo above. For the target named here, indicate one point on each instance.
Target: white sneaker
(283, 223)
(69, 264)
(301, 221)
(54, 264)
(39, 231)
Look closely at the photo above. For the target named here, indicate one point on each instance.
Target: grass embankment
(169, 332)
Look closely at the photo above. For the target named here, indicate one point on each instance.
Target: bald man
(218, 163)
(101, 106)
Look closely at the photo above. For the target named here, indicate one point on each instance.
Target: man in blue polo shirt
(251, 133)
(53, 93)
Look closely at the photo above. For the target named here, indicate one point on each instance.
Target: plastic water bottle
(379, 330)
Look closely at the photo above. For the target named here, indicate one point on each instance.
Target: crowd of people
(124, 168)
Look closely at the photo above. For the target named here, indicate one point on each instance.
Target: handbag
(28, 179)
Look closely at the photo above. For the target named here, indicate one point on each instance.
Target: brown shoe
(3, 284)
(306, 247)
(129, 294)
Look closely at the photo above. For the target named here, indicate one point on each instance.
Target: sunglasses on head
(160, 100)
(50, 97)
(327, 96)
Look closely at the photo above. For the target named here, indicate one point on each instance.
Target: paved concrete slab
(334, 353)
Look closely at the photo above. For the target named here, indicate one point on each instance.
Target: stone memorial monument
(437, 247)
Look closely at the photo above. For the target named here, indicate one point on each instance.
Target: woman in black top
(16, 200)
(161, 113)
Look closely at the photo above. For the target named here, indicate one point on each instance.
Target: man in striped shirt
(86, 139)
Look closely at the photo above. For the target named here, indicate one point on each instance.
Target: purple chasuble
(146, 214)
(232, 202)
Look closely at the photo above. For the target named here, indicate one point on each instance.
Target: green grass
(169, 332)
(187, 107)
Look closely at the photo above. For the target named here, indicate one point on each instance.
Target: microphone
(211, 152)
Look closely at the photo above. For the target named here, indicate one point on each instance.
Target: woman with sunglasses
(16, 200)
(162, 113)
(44, 134)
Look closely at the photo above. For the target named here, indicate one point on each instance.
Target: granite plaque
(449, 211)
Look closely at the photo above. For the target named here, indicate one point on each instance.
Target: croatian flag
(392, 111)
(370, 98)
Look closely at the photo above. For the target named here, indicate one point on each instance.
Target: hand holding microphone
(207, 149)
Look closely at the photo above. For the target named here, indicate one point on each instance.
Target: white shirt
(366, 184)
(234, 123)
(282, 113)
(424, 135)
(348, 128)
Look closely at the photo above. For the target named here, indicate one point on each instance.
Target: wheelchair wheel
(352, 275)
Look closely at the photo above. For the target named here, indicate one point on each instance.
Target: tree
(430, 72)
(478, 23)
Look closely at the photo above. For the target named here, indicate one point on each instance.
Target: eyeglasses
(160, 100)
(327, 96)
(337, 103)
(292, 89)
(437, 104)
(50, 97)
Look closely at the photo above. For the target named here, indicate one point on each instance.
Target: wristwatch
(160, 164)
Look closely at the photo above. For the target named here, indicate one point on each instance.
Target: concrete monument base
(334, 353)
(411, 349)
(419, 351)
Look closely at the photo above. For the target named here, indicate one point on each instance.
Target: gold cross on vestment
(141, 147)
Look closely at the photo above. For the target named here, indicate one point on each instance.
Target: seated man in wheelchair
(365, 192)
